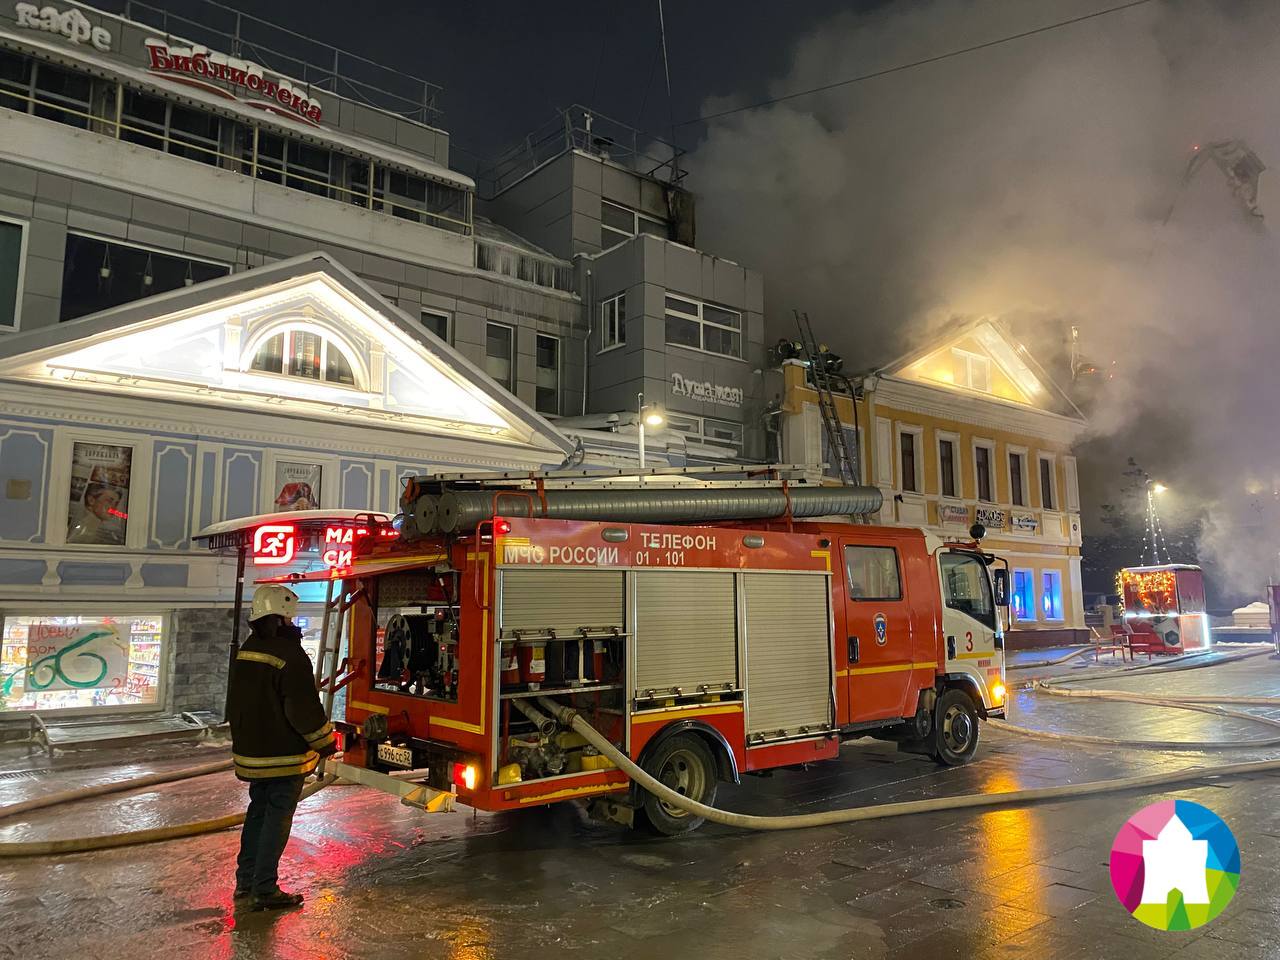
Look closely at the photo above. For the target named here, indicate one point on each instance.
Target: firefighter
(279, 731)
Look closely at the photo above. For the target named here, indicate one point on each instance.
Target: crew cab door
(873, 655)
(969, 618)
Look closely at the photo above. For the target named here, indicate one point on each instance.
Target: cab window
(872, 573)
(965, 587)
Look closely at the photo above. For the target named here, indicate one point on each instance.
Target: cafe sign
(950, 513)
(72, 24)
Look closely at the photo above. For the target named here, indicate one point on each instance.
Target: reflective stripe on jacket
(278, 726)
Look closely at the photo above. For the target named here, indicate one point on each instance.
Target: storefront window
(80, 662)
(1051, 597)
(1023, 600)
(98, 501)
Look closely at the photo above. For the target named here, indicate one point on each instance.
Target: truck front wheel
(955, 730)
(684, 764)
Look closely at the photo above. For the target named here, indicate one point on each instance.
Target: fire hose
(572, 719)
(37, 848)
(569, 717)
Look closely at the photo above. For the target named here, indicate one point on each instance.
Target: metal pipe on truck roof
(461, 510)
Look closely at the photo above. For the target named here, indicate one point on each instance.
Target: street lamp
(1154, 534)
(648, 416)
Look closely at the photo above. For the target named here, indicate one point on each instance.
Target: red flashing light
(118, 513)
(502, 527)
(464, 775)
(340, 740)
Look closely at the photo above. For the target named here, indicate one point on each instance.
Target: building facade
(225, 291)
(968, 430)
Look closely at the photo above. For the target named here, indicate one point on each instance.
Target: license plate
(396, 756)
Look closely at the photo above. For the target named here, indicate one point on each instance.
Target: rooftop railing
(320, 65)
(578, 128)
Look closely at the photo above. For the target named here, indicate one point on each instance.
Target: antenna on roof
(671, 113)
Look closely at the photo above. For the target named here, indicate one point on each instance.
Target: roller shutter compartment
(686, 631)
(561, 600)
(788, 654)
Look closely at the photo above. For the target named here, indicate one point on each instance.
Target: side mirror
(1000, 581)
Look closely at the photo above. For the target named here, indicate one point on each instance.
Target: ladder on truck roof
(837, 446)
(756, 475)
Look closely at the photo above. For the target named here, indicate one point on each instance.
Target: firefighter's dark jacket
(278, 727)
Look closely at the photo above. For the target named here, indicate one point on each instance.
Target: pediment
(301, 336)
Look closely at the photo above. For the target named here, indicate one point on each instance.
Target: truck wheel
(684, 764)
(955, 732)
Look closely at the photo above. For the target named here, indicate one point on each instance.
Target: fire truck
(708, 633)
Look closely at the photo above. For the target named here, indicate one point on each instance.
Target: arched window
(305, 353)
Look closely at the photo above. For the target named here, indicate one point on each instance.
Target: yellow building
(969, 429)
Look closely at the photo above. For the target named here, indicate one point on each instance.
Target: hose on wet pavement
(44, 848)
(116, 786)
(574, 720)
(570, 718)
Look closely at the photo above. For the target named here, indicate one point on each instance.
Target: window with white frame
(909, 461)
(703, 326)
(307, 353)
(948, 462)
(619, 223)
(1051, 594)
(983, 455)
(613, 322)
(438, 324)
(832, 459)
(707, 429)
(1022, 600)
(1048, 487)
(499, 354)
(1018, 477)
(972, 370)
(13, 237)
(547, 376)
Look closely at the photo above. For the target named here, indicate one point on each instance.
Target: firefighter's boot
(276, 900)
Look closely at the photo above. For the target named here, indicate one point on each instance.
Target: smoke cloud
(1041, 181)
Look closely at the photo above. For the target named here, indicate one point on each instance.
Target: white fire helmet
(273, 598)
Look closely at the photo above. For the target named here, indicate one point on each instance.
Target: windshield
(966, 588)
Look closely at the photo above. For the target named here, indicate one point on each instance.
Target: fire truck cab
(703, 652)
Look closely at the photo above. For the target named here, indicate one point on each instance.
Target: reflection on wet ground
(386, 881)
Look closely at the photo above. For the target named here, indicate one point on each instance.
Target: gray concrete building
(681, 326)
(227, 291)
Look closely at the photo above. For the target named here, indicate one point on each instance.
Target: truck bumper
(411, 793)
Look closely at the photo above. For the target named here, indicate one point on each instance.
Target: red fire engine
(703, 651)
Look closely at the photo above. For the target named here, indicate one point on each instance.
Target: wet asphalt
(387, 881)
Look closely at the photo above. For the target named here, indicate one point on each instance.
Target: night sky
(506, 65)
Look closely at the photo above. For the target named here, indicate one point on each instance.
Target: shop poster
(85, 655)
(98, 502)
(297, 486)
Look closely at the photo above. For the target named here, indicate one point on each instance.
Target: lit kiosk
(1164, 608)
